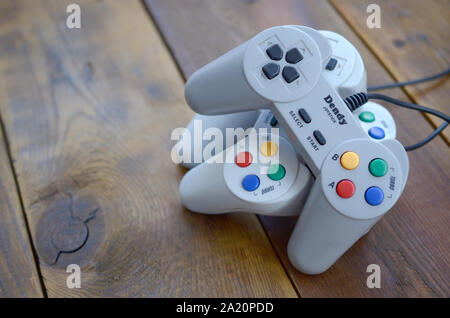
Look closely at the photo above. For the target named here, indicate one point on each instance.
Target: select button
(304, 115)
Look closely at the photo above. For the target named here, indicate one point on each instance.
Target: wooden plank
(18, 273)
(411, 242)
(89, 113)
(413, 42)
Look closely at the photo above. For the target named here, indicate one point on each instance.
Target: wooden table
(85, 170)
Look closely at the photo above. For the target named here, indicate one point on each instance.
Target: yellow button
(349, 160)
(269, 149)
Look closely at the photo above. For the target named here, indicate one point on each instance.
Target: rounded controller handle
(322, 234)
(360, 181)
(220, 87)
(215, 187)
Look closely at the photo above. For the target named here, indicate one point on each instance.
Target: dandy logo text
(335, 110)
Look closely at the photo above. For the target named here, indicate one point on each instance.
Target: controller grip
(203, 190)
(322, 234)
(220, 87)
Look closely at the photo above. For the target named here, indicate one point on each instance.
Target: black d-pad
(271, 70)
(275, 52)
(290, 74)
(293, 56)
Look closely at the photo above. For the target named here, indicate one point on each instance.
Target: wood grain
(411, 242)
(89, 114)
(413, 42)
(18, 273)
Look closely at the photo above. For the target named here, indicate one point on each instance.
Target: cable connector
(355, 101)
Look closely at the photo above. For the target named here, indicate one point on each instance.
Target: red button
(345, 189)
(243, 159)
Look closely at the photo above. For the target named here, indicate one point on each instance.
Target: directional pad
(271, 70)
(275, 52)
(290, 74)
(293, 56)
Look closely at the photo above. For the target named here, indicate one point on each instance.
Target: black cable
(412, 82)
(355, 101)
(402, 103)
(427, 139)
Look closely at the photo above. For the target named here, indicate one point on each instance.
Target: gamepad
(343, 68)
(291, 83)
(360, 181)
(265, 178)
(349, 195)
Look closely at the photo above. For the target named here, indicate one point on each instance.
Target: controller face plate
(367, 165)
(291, 41)
(270, 186)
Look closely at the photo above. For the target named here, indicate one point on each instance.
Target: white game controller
(265, 178)
(322, 131)
(360, 181)
(343, 68)
(281, 69)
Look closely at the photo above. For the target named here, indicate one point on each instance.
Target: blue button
(374, 196)
(250, 182)
(376, 133)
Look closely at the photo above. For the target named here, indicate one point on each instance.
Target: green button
(276, 172)
(378, 167)
(367, 117)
